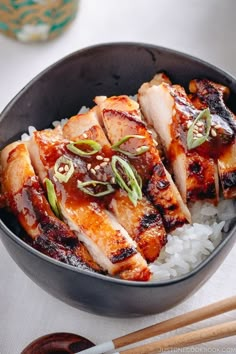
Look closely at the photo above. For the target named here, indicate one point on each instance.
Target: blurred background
(205, 29)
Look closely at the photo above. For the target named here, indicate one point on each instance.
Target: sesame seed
(61, 169)
(66, 168)
(99, 157)
(213, 132)
(199, 124)
(217, 126)
(89, 166)
(155, 142)
(174, 112)
(113, 181)
(199, 135)
(85, 135)
(97, 167)
(104, 164)
(93, 171)
(106, 159)
(189, 123)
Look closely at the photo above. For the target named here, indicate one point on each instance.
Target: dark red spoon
(58, 343)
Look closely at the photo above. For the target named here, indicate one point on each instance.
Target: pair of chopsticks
(179, 341)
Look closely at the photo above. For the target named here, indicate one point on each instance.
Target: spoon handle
(100, 348)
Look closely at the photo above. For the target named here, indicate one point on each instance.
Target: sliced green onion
(138, 178)
(95, 147)
(82, 186)
(140, 150)
(132, 186)
(62, 162)
(52, 198)
(192, 141)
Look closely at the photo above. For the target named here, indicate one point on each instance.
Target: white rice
(27, 136)
(188, 245)
(62, 122)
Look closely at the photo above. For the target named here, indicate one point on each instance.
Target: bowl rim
(144, 45)
(107, 278)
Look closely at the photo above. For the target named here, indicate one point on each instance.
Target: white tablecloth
(202, 28)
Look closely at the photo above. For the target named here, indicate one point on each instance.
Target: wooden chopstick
(187, 339)
(186, 319)
(194, 316)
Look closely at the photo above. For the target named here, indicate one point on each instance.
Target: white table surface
(202, 28)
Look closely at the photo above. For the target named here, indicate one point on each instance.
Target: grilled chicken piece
(142, 222)
(25, 198)
(159, 79)
(106, 240)
(205, 93)
(170, 111)
(210, 94)
(158, 184)
(85, 126)
(227, 170)
(122, 104)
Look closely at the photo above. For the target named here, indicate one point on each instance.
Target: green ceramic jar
(36, 20)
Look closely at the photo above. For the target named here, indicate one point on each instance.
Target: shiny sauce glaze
(149, 166)
(47, 233)
(206, 93)
(212, 95)
(200, 166)
(86, 209)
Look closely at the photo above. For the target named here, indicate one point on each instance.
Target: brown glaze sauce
(200, 160)
(142, 163)
(212, 95)
(149, 166)
(70, 194)
(187, 111)
(74, 199)
(47, 233)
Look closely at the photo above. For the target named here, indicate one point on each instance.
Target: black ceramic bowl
(59, 92)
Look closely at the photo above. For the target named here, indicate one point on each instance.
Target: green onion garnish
(82, 186)
(137, 176)
(95, 147)
(63, 169)
(193, 141)
(140, 150)
(52, 198)
(132, 186)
